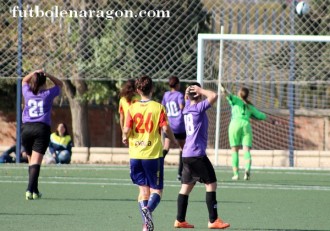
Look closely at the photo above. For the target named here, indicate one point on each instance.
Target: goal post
(285, 74)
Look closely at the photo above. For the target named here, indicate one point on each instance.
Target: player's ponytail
(244, 94)
(128, 90)
(38, 80)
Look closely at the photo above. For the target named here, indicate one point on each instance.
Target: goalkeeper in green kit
(240, 130)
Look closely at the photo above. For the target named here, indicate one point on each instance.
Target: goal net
(288, 78)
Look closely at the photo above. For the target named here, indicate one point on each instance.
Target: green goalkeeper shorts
(240, 133)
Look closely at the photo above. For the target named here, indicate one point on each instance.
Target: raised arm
(186, 93)
(28, 77)
(210, 95)
(55, 80)
(257, 114)
(224, 90)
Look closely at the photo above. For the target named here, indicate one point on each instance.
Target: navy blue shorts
(36, 137)
(148, 172)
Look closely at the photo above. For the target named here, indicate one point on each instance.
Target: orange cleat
(218, 224)
(184, 225)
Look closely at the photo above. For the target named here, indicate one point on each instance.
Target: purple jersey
(196, 122)
(37, 108)
(171, 101)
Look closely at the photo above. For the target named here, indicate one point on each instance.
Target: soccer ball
(302, 8)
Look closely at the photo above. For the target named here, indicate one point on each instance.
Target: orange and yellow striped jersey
(145, 119)
(124, 104)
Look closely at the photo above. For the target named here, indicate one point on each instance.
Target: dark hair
(128, 90)
(66, 129)
(192, 95)
(244, 94)
(38, 79)
(144, 84)
(173, 81)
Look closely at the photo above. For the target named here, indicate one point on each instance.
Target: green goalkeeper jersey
(239, 130)
(241, 110)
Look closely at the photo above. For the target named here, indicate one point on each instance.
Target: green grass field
(97, 198)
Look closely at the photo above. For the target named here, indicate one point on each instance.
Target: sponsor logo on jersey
(142, 143)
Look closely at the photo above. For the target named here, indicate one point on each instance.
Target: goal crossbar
(265, 37)
(253, 37)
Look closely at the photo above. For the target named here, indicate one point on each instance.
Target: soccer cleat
(247, 176)
(218, 224)
(148, 219)
(28, 195)
(235, 177)
(36, 196)
(183, 224)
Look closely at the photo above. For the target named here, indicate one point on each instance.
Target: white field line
(275, 170)
(291, 171)
(126, 182)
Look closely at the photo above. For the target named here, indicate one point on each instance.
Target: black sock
(180, 164)
(34, 171)
(29, 188)
(182, 207)
(211, 202)
(36, 189)
(165, 152)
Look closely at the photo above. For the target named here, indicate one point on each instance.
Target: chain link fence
(113, 40)
(96, 43)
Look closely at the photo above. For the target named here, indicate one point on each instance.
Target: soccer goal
(288, 77)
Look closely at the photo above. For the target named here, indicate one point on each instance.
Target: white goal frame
(239, 37)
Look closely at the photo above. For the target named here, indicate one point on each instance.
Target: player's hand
(187, 90)
(222, 89)
(195, 89)
(39, 71)
(125, 140)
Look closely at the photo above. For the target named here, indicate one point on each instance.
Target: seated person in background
(6, 156)
(60, 145)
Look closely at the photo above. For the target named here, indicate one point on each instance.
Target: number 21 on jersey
(36, 108)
